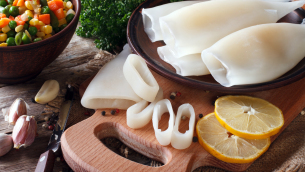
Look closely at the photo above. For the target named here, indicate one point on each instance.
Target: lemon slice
(248, 117)
(229, 148)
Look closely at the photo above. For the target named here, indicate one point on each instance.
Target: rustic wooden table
(79, 61)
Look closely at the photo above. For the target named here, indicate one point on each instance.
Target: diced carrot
(45, 18)
(11, 17)
(2, 15)
(60, 13)
(55, 5)
(20, 3)
(19, 21)
(4, 22)
(37, 26)
(15, 2)
(38, 2)
(36, 16)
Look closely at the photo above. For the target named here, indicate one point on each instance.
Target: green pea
(32, 30)
(66, 0)
(3, 3)
(14, 11)
(69, 18)
(45, 10)
(25, 26)
(12, 24)
(4, 11)
(10, 41)
(25, 39)
(63, 26)
(18, 38)
(11, 33)
(56, 29)
(10, 2)
(44, 3)
(8, 7)
(37, 39)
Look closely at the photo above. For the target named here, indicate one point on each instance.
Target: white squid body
(256, 54)
(194, 28)
(109, 88)
(151, 17)
(190, 65)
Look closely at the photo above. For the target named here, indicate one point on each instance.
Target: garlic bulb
(18, 108)
(24, 131)
(6, 144)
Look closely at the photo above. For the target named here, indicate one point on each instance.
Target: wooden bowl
(24, 62)
(141, 45)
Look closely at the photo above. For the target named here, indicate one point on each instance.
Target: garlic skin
(6, 144)
(18, 108)
(5, 112)
(24, 132)
(47, 92)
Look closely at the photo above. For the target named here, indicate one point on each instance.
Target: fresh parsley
(106, 21)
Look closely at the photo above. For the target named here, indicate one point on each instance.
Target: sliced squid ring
(183, 140)
(163, 137)
(140, 114)
(140, 78)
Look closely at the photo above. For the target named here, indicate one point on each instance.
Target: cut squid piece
(138, 115)
(151, 17)
(140, 78)
(183, 140)
(256, 54)
(190, 65)
(194, 28)
(163, 106)
(109, 88)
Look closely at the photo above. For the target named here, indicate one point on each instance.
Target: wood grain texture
(84, 151)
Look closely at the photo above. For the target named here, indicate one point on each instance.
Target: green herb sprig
(106, 21)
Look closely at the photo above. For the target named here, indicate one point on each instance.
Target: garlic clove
(18, 108)
(6, 144)
(24, 131)
(47, 92)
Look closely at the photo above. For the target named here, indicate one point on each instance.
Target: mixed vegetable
(27, 21)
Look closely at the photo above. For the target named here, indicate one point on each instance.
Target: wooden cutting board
(83, 150)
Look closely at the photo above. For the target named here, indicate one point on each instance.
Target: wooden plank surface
(97, 157)
(81, 60)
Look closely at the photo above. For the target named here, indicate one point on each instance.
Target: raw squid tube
(109, 88)
(189, 65)
(140, 78)
(163, 137)
(194, 28)
(139, 114)
(151, 18)
(256, 54)
(183, 140)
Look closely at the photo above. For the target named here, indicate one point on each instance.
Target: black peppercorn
(195, 139)
(200, 115)
(112, 112)
(172, 97)
(103, 113)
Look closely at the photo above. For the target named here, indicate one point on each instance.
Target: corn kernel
(18, 28)
(22, 9)
(6, 29)
(40, 34)
(41, 23)
(28, 5)
(28, 34)
(29, 13)
(3, 37)
(37, 10)
(65, 12)
(64, 3)
(3, 44)
(34, 22)
(62, 21)
(69, 5)
(47, 29)
(47, 36)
